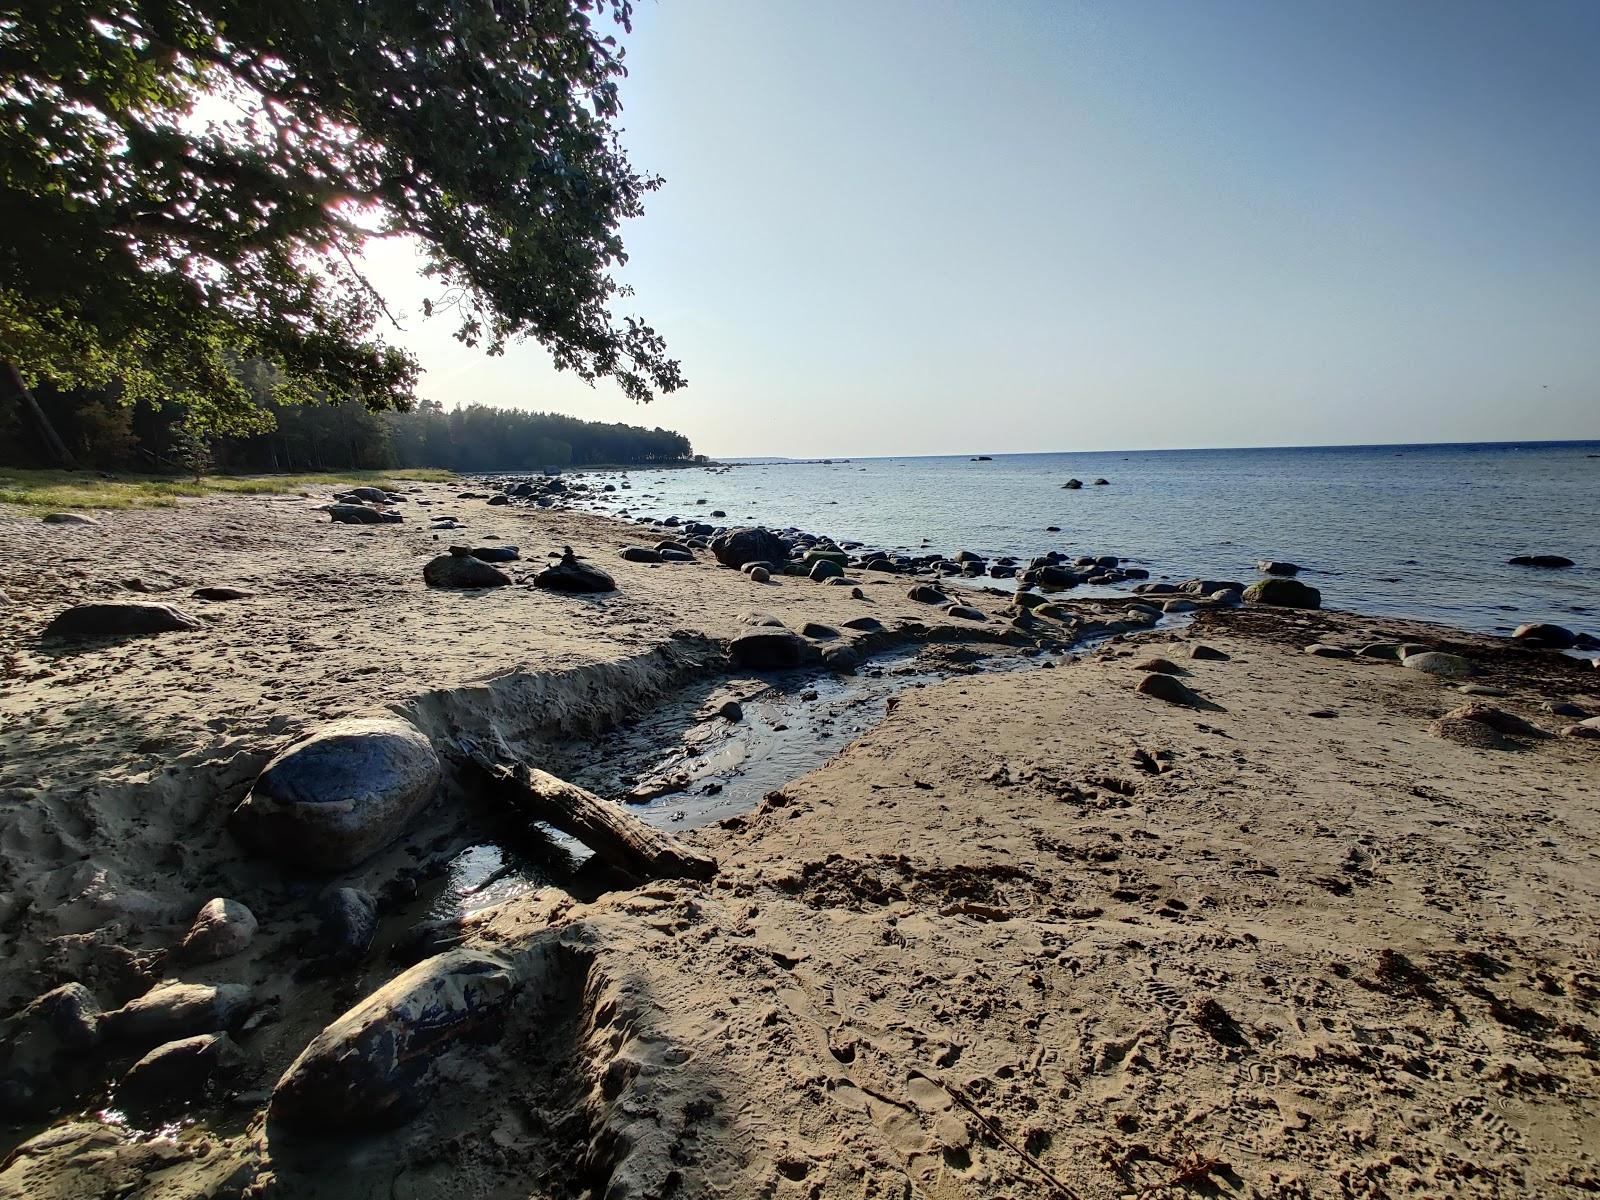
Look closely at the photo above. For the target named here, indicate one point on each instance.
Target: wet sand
(1031, 934)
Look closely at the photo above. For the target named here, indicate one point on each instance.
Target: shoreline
(877, 925)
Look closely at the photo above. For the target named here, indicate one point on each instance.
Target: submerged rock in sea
(338, 796)
(377, 1064)
(1284, 593)
(120, 618)
(221, 928)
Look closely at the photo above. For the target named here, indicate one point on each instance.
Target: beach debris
(740, 546)
(221, 928)
(617, 838)
(1272, 566)
(1548, 561)
(68, 518)
(377, 1065)
(179, 1071)
(462, 570)
(178, 1010)
(1284, 593)
(333, 799)
(1323, 650)
(1436, 662)
(1545, 636)
(571, 573)
(120, 618)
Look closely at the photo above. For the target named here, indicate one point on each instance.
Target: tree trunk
(47, 432)
(620, 840)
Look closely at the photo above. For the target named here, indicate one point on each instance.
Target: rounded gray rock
(222, 928)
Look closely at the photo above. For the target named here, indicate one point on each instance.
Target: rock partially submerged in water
(1273, 566)
(1284, 593)
(120, 618)
(336, 797)
(221, 928)
(377, 1064)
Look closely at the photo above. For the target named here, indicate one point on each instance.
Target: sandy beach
(1034, 933)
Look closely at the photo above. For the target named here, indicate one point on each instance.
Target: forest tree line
(106, 434)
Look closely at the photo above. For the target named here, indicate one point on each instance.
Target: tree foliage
(184, 183)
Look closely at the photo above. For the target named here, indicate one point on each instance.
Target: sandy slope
(1034, 935)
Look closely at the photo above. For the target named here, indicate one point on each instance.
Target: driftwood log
(617, 839)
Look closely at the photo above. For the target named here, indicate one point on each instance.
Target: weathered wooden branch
(617, 838)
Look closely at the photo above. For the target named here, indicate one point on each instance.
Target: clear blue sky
(930, 227)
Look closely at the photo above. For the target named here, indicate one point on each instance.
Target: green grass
(56, 490)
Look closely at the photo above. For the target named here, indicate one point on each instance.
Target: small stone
(865, 624)
(496, 554)
(818, 631)
(1271, 566)
(222, 927)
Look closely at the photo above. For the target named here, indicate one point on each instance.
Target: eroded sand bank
(1033, 934)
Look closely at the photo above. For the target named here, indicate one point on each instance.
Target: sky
(930, 226)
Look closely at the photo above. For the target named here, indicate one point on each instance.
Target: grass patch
(56, 490)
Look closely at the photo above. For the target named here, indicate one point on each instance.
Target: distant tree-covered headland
(105, 434)
(186, 185)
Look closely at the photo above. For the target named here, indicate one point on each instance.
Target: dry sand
(1035, 934)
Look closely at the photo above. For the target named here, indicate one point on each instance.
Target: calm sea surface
(1417, 531)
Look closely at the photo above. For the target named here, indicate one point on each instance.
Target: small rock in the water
(1072, 485)
(1207, 653)
(1323, 650)
(178, 1010)
(180, 1071)
(1285, 593)
(377, 1064)
(1435, 662)
(1546, 637)
(336, 797)
(221, 928)
(462, 571)
(1271, 566)
(1161, 666)
(120, 618)
(1168, 688)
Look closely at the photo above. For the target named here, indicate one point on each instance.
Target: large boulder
(336, 797)
(377, 1064)
(1285, 593)
(119, 618)
(222, 928)
(462, 571)
(739, 546)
